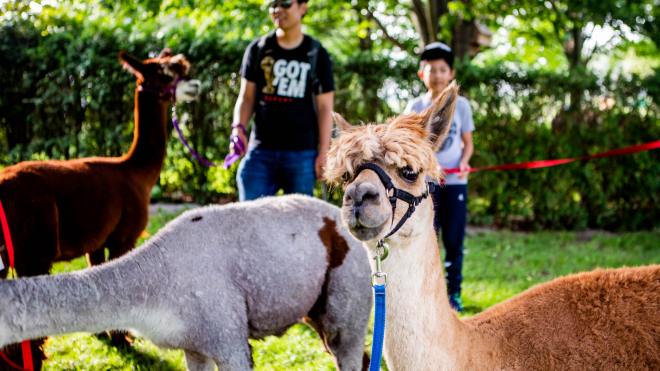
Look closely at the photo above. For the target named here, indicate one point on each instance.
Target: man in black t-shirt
(292, 102)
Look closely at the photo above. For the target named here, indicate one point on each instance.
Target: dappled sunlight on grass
(85, 352)
(299, 349)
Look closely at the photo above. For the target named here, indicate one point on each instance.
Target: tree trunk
(421, 22)
(573, 47)
(461, 43)
(576, 63)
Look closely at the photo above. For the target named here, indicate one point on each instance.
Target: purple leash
(229, 160)
(235, 142)
(185, 143)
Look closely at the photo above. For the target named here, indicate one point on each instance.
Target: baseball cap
(438, 50)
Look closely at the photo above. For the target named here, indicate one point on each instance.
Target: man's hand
(237, 131)
(463, 166)
(319, 164)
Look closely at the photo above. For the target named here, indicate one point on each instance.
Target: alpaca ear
(129, 62)
(165, 53)
(437, 118)
(342, 124)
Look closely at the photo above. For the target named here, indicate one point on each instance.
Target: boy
(450, 201)
(292, 101)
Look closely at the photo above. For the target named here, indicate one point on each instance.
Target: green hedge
(64, 95)
(619, 193)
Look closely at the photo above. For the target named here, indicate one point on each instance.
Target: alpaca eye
(408, 174)
(346, 177)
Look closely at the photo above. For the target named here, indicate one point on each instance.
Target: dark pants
(264, 172)
(450, 204)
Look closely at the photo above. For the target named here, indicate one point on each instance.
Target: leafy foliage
(64, 95)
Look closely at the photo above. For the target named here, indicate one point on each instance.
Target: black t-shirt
(284, 110)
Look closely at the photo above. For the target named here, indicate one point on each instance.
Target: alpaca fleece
(211, 279)
(399, 144)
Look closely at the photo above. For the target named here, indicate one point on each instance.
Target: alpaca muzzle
(397, 193)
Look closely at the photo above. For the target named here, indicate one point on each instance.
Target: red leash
(548, 163)
(25, 345)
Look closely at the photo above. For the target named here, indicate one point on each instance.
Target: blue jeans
(263, 172)
(450, 202)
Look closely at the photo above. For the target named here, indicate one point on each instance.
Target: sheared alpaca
(601, 320)
(60, 210)
(211, 279)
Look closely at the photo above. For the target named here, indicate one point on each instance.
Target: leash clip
(378, 257)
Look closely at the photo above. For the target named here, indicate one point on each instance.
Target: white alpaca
(601, 320)
(211, 279)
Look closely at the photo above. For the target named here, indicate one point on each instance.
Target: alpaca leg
(37, 247)
(15, 354)
(198, 362)
(235, 357)
(346, 346)
(341, 315)
(96, 257)
(118, 248)
(5, 259)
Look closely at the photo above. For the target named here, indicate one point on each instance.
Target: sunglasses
(286, 4)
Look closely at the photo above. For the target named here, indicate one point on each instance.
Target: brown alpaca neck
(422, 332)
(150, 137)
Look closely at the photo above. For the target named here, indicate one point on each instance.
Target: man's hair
(435, 51)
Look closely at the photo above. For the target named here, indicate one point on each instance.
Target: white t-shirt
(451, 151)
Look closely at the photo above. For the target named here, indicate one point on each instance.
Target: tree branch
(418, 17)
(597, 48)
(387, 36)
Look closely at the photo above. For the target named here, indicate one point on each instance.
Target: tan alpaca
(601, 320)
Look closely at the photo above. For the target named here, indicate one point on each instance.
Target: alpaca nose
(195, 83)
(361, 193)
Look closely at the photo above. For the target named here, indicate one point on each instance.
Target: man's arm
(243, 110)
(325, 103)
(468, 148)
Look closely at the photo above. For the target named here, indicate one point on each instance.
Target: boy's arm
(409, 107)
(325, 103)
(468, 148)
(243, 110)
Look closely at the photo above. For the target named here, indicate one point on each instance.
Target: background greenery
(498, 265)
(550, 87)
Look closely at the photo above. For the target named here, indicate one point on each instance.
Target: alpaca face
(160, 73)
(404, 147)
(187, 90)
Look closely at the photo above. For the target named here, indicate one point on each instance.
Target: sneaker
(456, 302)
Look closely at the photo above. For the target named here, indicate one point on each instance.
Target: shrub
(64, 95)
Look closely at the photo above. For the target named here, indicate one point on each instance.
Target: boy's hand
(463, 166)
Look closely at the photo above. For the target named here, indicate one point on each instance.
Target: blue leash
(379, 328)
(379, 317)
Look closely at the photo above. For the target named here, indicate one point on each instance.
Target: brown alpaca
(600, 320)
(60, 210)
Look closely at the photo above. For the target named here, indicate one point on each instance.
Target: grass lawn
(497, 266)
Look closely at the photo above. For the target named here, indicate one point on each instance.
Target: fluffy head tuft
(401, 142)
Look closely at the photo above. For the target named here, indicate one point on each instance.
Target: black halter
(411, 200)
